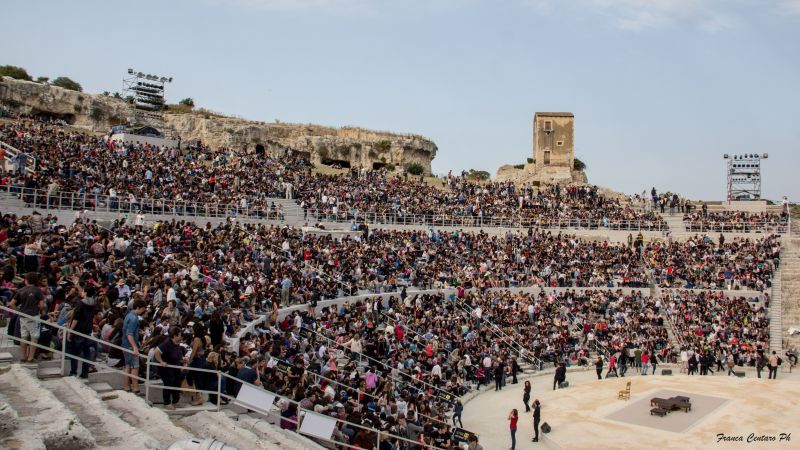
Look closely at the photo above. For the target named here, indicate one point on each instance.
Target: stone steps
(71, 413)
(108, 430)
(138, 414)
(220, 427)
(274, 434)
(788, 283)
(43, 420)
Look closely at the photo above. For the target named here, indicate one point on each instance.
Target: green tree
(415, 169)
(578, 164)
(14, 72)
(67, 83)
(188, 101)
(117, 95)
(42, 80)
(478, 174)
(106, 93)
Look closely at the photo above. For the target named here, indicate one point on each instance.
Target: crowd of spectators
(398, 366)
(701, 263)
(736, 221)
(712, 326)
(199, 180)
(385, 197)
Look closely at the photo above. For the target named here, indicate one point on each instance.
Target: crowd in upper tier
(702, 263)
(737, 221)
(196, 180)
(402, 200)
(200, 180)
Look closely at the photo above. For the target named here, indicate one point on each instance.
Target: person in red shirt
(612, 365)
(513, 417)
(645, 362)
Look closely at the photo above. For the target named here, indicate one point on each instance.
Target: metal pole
(219, 389)
(147, 381)
(64, 351)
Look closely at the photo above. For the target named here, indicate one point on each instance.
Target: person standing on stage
(536, 417)
(598, 366)
(512, 425)
(526, 395)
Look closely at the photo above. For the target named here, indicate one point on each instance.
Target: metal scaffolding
(744, 176)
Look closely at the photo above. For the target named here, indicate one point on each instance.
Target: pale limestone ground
(577, 414)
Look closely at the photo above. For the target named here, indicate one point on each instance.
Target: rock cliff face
(348, 146)
(92, 112)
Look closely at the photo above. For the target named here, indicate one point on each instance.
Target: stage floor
(588, 414)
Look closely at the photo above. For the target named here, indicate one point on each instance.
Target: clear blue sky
(660, 88)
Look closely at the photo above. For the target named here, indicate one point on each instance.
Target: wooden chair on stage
(625, 394)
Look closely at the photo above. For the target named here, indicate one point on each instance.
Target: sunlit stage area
(725, 412)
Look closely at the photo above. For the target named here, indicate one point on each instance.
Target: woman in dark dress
(216, 329)
(526, 395)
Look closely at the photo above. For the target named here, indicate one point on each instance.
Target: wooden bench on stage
(660, 412)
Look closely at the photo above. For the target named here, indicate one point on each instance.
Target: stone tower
(554, 144)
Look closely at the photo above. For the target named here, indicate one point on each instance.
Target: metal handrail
(383, 364)
(301, 409)
(497, 331)
(346, 386)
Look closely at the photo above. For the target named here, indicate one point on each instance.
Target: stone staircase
(41, 409)
(675, 223)
(292, 212)
(789, 285)
(776, 312)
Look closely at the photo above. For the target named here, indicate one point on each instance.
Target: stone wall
(351, 146)
(532, 173)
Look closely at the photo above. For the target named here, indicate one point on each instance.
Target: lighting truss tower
(147, 92)
(744, 176)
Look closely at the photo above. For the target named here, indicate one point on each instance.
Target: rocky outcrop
(531, 174)
(92, 112)
(347, 146)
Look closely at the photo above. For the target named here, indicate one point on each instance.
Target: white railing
(741, 226)
(99, 202)
(95, 202)
(460, 220)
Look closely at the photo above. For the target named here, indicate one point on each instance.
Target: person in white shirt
(436, 371)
